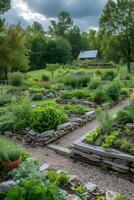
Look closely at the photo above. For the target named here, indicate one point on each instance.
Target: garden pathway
(104, 179)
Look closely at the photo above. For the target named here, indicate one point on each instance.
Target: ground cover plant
(115, 132)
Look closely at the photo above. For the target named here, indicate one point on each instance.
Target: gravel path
(86, 172)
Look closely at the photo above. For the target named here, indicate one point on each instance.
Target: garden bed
(44, 138)
(112, 144)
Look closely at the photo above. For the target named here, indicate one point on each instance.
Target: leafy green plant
(81, 191)
(45, 118)
(101, 198)
(119, 197)
(9, 154)
(45, 77)
(75, 109)
(113, 91)
(16, 79)
(58, 178)
(108, 75)
(110, 139)
(27, 170)
(5, 100)
(91, 138)
(99, 96)
(37, 97)
(123, 117)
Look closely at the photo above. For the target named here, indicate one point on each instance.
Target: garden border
(112, 159)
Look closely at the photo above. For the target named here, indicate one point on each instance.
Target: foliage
(77, 80)
(13, 51)
(110, 23)
(16, 79)
(108, 75)
(27, 170)
(34, 189)
(58, 178)
(6, 122)
(123, 117)
(91, 138)
(75, 109)
(36, 97)
(22, 114)
(94, 83)
(9, 154)
(62, 25)
(105, 120)
(46, 118)
(5, 100)
(81, 191)
(113, 91)
(52, 68)
(100, 198)
(45, 77)
(99, 95)
(78, 94)
(110, 139)
(119, 197)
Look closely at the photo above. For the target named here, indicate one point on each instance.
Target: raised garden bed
(111, 144)
(44, 138)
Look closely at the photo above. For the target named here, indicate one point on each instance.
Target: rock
(31, 132)
(74, 181)
(130, 125)
(91, 187)
(66, 125)
(44, 167)
(7, 185)
(8, 133)
(47, 134)
(110, 195)
(73, 197)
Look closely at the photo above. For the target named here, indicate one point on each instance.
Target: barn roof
(88, 54)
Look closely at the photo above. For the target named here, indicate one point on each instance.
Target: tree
(13, 51)
(118, 20)
(36, 27)
(58, 51)
(62, 25)
(4, 6)
(75, 39)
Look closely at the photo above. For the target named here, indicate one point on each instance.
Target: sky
(85, 13)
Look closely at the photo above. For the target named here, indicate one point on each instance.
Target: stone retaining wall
(113, 159)
(41, 139)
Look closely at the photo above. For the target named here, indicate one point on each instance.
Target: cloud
(85, 13)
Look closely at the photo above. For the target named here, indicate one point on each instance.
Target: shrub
(6, 122)
(37, 97)
(105, 120)
(5, 100)
(94, 83)
(22, 114)
(16, 79)
(123, 117)
(99, 96)
(44, 119)
(108, 76)
(78, 94)
(45, 77)
(75, 109)
(113, 91)
(77, 80)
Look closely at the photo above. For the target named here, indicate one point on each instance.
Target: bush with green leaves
(113, 91)
(45, 118)
(91, 138)
(6, 122)
(99, 96)
(110, 139)
(77, 80)
(4, 99)
(76, 94)
(36, 97)
(108, 76)
(22, 114)
(123, 117)
(16, 79)
(45, 77)
(94, 83)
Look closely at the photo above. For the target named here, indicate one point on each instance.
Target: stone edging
(113, 159)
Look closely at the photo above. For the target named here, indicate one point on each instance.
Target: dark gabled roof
(88, 54)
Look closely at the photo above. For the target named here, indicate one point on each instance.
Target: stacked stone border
(42, 139)
(111, 158)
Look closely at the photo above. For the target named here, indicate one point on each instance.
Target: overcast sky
(85, 13)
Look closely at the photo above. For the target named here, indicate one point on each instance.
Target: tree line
(32, 48)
